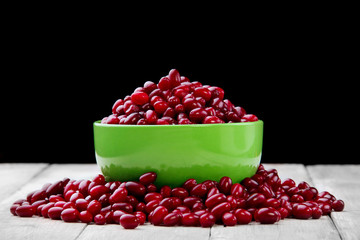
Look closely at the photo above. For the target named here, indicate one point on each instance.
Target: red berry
(338, 205)
(207, 220)
(70, 215)
(229, 219)
(243, 216)
(147, 178)
(129, 221)
(139, 98)
(302, 211)
(85, 217)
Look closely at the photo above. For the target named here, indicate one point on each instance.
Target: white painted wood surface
(344, 182)
(16, 180)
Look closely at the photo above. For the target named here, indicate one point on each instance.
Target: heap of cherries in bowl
(176, 100)
(263, 198)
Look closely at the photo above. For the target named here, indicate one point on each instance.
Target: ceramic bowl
(178, 152)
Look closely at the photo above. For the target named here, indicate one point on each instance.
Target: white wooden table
(16, 180)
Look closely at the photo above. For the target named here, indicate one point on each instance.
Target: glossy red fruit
(24, 211)
(158, 215)
(124, 206)
(225, 184)
(288, 182)
(116, 105)
(203, 92)
(112, 119)
(297, 198)
(94, 207)
(190, 201)
(172, 219)
(212, 191)
(316, 212)
(197, 115)
(338, 205)
(199, 190)
(179, 192)
(220, 209)
(283, 212)
(215, 199)
(81, 204)
(249, 118)
(153, 196)
(207, 220)
(119, 195)
(117, 214)
(99, 219)
(13, 209)
(129, 221)
(70, 215)
(45, 209)
(190, 104)
(255, 200)
(85, 216)
(229, 219)
(151, 117)
(217, 92)
(139, 98)
(55, 188)
(325, 208)
(164, 84)
(98, 190)
(38, 195)
(175, 78)
(243, 216)
(189, 184)
(237, 190)
(55, 213)
(267, 215)
(141, 216)
(190, 219)
(271, 202)
(160, 107)
(135, 188)
(149, 86)
(302, 211)
(147, 178)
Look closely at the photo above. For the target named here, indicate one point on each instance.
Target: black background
(298, 79)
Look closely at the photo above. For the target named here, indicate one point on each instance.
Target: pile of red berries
(176, 100)
(263, 198)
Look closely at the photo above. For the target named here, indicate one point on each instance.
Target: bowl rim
(99, 124)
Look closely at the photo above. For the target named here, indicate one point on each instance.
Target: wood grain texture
(343, 181)
(285, 229)
(147, 231)
(12, 227)
(347, 224)
(13, 176)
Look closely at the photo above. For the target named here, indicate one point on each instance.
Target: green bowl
(178, 152)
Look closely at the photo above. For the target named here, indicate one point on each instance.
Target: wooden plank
(347, 224)
(13, 176)
(343, 182)
(340, 180)
(147, 231)
(54, 173)
(285, 229)
(322, 228)
(12, 227)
